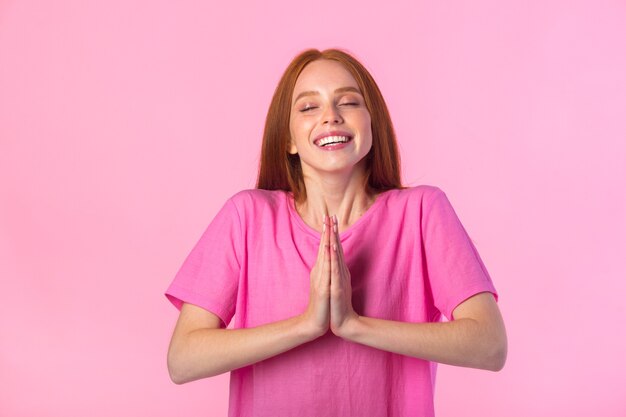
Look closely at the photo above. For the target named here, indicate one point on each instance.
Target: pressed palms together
(330, 299)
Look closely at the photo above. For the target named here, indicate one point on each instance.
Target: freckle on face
(324, 78)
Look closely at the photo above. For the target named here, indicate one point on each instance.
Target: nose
(331, 115)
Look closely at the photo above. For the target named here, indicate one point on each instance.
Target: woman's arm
(200, 348)
(476, 338)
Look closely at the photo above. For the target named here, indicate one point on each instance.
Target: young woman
(336, 275)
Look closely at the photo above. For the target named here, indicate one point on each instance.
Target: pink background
(124, 126)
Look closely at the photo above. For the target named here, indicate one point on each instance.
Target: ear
(292, 148)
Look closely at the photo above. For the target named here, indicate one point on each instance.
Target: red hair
(280, 170)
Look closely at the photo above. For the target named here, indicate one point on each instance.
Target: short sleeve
(455, 269)
(209, 275)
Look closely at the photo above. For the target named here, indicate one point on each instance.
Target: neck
(340, 194)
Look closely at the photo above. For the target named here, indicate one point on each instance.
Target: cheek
(365, 119)
(368, 119)
(367, 125)
(294, 124)
(298, 131)
(301, 126)
(295, 128)
(291, 123)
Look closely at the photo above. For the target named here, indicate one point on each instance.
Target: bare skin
(334, 180)
(200, 347)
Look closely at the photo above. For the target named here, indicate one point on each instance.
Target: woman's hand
(317, 314)
(341, 312)
(330, 295)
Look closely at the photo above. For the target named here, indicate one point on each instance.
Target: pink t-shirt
(410, 259)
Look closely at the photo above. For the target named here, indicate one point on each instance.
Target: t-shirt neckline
(378, 202)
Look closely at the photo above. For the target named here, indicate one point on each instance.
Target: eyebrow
(339, 90)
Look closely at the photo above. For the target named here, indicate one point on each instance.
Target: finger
(320, 250)
(321, 254)
(334, 260)
(329, 227)
(340, 255)
(326, 255)
(336, 239)
(336, 236)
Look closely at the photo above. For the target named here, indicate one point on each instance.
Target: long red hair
(280, 170)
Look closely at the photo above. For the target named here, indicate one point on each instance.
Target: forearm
(463, 342)
(204, 353)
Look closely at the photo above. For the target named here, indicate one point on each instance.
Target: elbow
(179, 374)
(496, 362)
(176, 379)
(173, 369)
(497, 357)
(181, 370)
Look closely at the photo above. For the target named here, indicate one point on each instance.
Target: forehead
(323, 75)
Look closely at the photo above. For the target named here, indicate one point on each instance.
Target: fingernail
(334, 247)
(335, 227)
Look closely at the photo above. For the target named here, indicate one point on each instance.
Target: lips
(332, 133)
(335, 146)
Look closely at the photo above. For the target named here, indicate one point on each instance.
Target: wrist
(350, 329)
(308, 330)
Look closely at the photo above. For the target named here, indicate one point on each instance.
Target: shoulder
(255, 199)
(419, 194)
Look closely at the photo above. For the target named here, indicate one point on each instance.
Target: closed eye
(315, 107)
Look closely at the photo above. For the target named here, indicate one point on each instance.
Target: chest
(385, 271)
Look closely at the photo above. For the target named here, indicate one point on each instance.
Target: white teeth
(332, 139)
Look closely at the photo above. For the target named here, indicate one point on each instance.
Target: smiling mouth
(333, 140)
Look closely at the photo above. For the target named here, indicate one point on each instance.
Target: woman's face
(327, 103)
